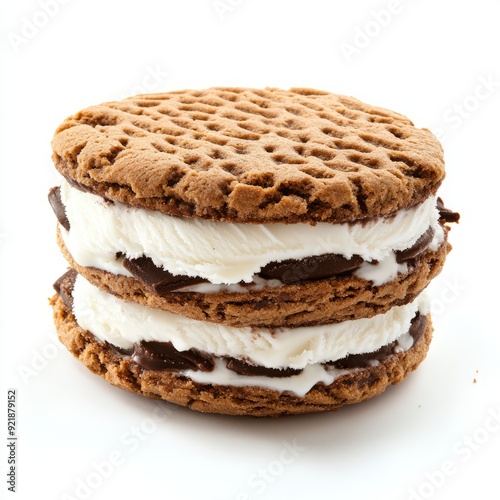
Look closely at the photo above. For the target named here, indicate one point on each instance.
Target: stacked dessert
(245, 251)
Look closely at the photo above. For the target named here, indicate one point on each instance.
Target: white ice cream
(378, 273)
(124, 323)
(299, 384)
(388, 268)
(221, 252)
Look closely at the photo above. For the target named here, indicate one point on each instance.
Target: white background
(436, 62)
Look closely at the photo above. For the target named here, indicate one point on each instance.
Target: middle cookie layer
(335, 299)
(269, 347)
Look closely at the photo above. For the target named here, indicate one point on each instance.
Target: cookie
(242, 274)
(277, 244)
(339, 298)
(351, 384)
(251, 155)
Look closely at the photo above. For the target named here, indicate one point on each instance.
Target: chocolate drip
(417, 329)
(238, 366)
(445, 214)
(310, 268)
(58, 207)
(289, 271)
(155, 278)
(417, 248)
(164, 356)
(64, 287)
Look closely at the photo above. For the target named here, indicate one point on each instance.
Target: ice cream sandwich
(248, 251)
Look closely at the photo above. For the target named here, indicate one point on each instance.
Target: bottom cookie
(353, 386)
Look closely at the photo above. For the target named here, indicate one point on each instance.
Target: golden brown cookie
(122, 372)
(251, 155)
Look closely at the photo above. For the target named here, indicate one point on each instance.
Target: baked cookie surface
(251, 155)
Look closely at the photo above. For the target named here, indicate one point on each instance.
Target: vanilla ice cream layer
(299, 384)
(223, 252)
(378, 273)
(123, 323)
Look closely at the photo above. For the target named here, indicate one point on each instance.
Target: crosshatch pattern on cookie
(249, 155)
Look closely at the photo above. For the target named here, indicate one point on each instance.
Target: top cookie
(251, 155)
